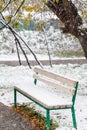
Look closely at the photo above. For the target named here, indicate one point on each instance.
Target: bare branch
(18, 52)
(19, 7)
(27, 47)
(23, 52)
(15, 34)
(6, 5)
(3, 19)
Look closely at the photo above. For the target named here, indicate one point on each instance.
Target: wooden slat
(65, 105)
(54, 76)
(54, 84)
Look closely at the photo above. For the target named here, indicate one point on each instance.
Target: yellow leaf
(19, 16)
(43, 0)
(57, 1)
(8, 18)
(39, 27)
(15, 24)
(26, 21)
(1, 7)
(15, 0)
(30, 9)
(15, 7)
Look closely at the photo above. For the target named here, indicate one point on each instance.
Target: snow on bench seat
(44, 96)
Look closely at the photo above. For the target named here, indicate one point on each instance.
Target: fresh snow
(10, 76)
(36, 40)
(11, 57)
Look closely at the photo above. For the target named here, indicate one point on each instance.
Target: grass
(68, 53)
(37, 120)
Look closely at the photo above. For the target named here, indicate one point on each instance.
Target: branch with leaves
(18, 39)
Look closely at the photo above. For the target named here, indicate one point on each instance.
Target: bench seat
(44, 97)
(50, 91)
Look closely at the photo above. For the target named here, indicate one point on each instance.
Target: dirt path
(46, 62)
(10, 120)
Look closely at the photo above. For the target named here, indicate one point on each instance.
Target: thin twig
(17, 40)
(50, 61)
(6, 5)
(24, 53)
(10, 1)
(39, 63)
(19, 7)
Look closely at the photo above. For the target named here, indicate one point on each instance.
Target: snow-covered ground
(14, 57)
(58, 42)
(36, 40)
(10, 76)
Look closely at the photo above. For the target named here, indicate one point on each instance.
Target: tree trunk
(68, 14)
(82, 36)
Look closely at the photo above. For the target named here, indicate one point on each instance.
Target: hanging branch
(18, 52)
(15, 34)
(19, 7)
(3, 19)
(23, 52)
(39, 63)
(6, 5)
(50, 61)
(10, 1)
(18, 42)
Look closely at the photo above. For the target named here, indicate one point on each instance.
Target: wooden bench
(47, 99)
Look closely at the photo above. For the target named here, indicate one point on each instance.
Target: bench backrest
(52, 79)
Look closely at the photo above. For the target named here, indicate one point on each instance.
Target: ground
(9, 76)
(10, 120)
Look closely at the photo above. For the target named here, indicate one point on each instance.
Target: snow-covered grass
(10, 76)
(36, 40)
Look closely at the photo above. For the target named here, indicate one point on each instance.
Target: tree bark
(68, 14)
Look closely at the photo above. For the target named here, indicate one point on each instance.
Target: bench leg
(74, 117)
(15, 98)
(47, 119)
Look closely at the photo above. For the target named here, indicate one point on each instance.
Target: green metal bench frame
(49, 109)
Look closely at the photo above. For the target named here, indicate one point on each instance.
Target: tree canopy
(12, 11)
